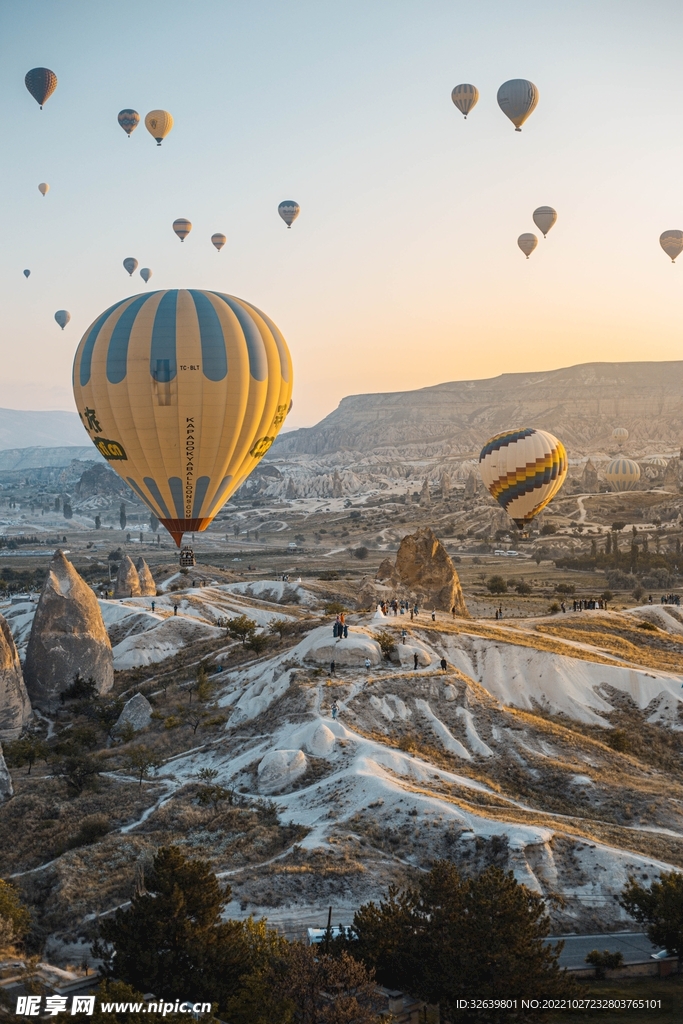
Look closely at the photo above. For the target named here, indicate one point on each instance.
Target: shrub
(565, 588)
(496, 585)
(548, 529)
(361, 553)
(554, 608)
(94, 827)
(648, 625)
(607, 595)
(334, 608)
(604, 961)
(386, 641)
(523, 588)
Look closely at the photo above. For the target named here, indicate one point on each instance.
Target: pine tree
(660, 908)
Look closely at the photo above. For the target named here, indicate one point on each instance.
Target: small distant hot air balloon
(183, 392)
(544, 218)
(145, 274)
(218, 240)
(523, 470)
(43, 188)
(27, 273)
(672, 243)
(527, 243)
(289, 211)
(129, 120)
(465, 97)
(62, 316)
(182, 227)
(620, 434)
(130, 264)
(622, 474)
(158, 123)
(41, 83)
(517, 99)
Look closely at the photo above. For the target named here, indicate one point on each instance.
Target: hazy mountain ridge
(581, 404)
(22, 428)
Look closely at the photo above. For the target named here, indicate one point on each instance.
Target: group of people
(395, 607)
(591, 604)
(340, 629)
(671, 599)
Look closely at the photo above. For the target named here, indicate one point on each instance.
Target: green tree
(142, 763)
(26, 750)
(281, 626)
(604, 961)
(117, 996)
(241, 627)
(171, 939)
(496, 585)
(78, 771)
(660, 908)
(386, 641)
(13, 913)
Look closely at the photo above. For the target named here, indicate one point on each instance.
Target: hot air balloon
(622, 474)
(465, 97)
(523, 470)
(41, 83)
(130, 264)
(620, 434)
(43, 188)
(527, 243)
(672, 243)
(183, 392)
(145, 274)
(62, 316)
(182, 228)
(658, 461)
(544, 218)
(517, 99)
(27, 273)
(129, 120)
(289, 211)
(158, 123)
(218, 240)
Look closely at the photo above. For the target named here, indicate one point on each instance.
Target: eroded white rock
(279, 768)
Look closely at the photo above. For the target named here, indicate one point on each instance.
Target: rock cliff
(127, 579)
(148, 587)
(424, 570)
(67, 636)
(6, 790)
(15, 707)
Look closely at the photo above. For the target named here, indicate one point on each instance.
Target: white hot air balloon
(622, 474)
(517, 99)
(43, 188)
(672, 243)
(544, 218)
(465, 97)
(527, 243)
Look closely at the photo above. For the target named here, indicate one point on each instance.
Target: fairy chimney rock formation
(127, 579)
(67, 636)
(424, 569)
(6, 790)
(425, 498)
(589, 480)
(15, 707)
(148, 587)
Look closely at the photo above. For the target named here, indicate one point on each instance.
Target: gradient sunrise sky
(403, 269)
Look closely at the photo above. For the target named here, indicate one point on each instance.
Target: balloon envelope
(183, 392)
(41, 83)
(289, 211)
(145, 274)
(62, 316)
(672, 243)
(465, 97)
(218, 240)
(544, 218)
(158, 123)
(43, 188)
(517, 99)
(527, 243)
(523, 470)
(27, 273)
(129, 120)
(182, 228)
(620, 434)
(130, 264)
(622, 474)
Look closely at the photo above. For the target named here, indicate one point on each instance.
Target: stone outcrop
(136, 712)
(590, 481)
(386, 567)
(425, 497)
(67, 636)
(6, 790)
(279, 768)
(471, 484)
(424, 571)
(15, 707)
(148, 587)
(127, 579)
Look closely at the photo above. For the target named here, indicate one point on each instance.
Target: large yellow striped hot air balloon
(523, 470)
(183, 392)
(158, 123)
(622, 474)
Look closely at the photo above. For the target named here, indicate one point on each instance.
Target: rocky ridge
(15, 707)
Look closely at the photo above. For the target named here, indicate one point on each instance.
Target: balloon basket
(186, 559)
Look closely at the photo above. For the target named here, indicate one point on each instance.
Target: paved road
(634, 945)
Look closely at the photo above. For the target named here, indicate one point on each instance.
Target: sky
(403, 269)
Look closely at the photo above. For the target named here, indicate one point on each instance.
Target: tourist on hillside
(367, 664)
(332, 668)
(415, 661)
(444, 664)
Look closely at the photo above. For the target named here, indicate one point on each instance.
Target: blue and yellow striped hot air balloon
(183, 392)
(622, 474)
(523, 470)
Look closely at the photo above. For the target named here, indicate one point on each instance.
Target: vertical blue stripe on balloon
(117, 353)
(258, 363)
(151, 486)
(214, 356)
(176, 486)
(86, 357)
(163, 350)
(218, 497)
(139, 491)
(199, 494)
(279, 342)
